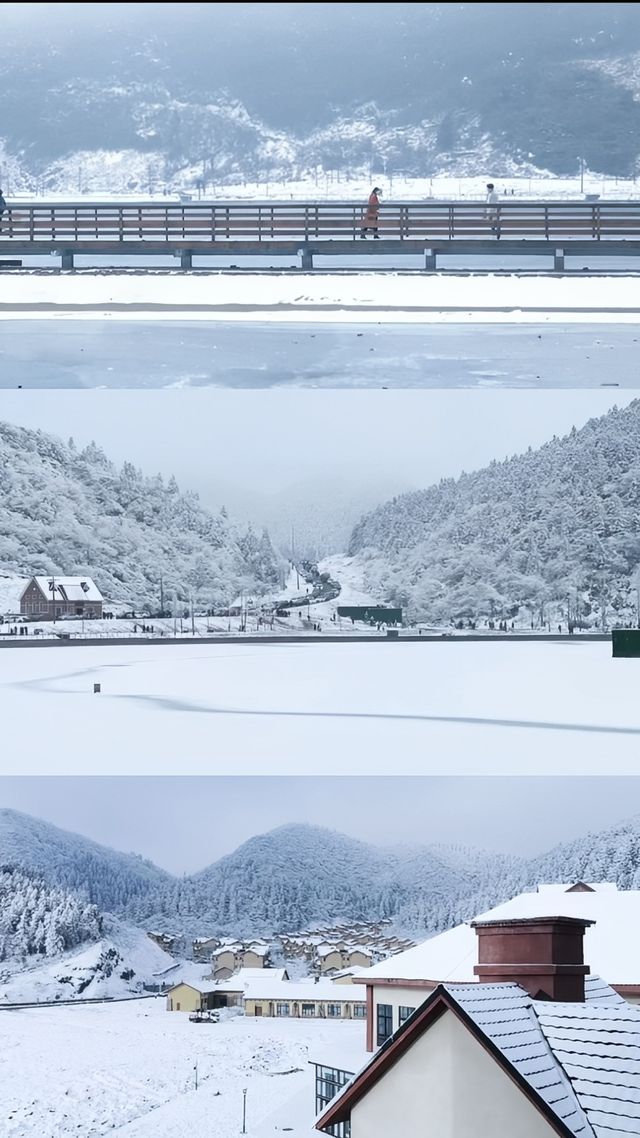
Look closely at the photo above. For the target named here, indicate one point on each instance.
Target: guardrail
(237, 221)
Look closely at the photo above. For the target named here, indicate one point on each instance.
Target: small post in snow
(244, 1110)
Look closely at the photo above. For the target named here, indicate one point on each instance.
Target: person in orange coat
(370, 219)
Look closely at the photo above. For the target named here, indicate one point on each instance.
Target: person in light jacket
(492, 211)
(370, 219)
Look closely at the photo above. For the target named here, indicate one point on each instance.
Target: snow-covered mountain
(296, 875)
(553, 528)
(102, 97)
(70, 511)
(115, 882)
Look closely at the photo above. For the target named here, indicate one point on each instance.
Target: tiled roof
(582, 1060)
(598, 1047)
(505, 1014)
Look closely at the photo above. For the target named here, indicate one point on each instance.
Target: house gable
(440, 1003)
(450, 1086)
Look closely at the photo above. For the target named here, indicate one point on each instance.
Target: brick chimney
(545, 955)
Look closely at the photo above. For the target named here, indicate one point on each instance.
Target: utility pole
(161, 596)
(193, 626)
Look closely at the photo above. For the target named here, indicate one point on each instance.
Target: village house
(196, 997)
(269, 993)
(534, 1048)
(332, 958)
(230, 958)
(304, 1000)
(195, 994)
(204, 946)
(396, 986)
(170, 942)
(51, 598)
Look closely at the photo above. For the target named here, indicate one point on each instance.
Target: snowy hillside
(115, 966)
(119, 102)
(64, 510)
(552, 530)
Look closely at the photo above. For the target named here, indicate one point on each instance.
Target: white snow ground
(363, 297)
(348, 708)
(128, 1069)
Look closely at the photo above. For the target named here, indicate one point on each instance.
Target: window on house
(385, 1023)
(404, 1013)
(308, 1009)
(334, 1010)
(359, 1011)
(282, 1009)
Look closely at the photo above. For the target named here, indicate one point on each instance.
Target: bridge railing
(257, 222)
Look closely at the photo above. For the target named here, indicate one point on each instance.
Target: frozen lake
(324, 709)
(165, 353)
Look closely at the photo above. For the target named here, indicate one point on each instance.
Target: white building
(532, 1049)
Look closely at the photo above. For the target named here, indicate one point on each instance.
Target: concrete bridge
(432, 230)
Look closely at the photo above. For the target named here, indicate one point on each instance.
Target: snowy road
(173, 353)
(431, 708)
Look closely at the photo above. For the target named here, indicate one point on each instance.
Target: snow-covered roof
(244, 976)
(609, 944)
(581, 1059)
(68, 588)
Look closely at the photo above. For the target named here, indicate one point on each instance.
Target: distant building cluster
(342, 946)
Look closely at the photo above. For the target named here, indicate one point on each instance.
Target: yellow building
(184, 997)
(300, 1000)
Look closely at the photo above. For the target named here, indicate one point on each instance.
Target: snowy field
(425, 708)
(129, 1069)
(355, 298)
(329, 185)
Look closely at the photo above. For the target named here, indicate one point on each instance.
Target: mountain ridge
(263, 92)
(299, 874)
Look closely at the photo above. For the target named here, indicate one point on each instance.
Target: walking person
(492, 211)
(370, 219)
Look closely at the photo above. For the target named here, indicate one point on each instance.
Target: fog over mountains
(299, 874)
(101, 95)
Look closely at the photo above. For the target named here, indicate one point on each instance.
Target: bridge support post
(66, 261)
(306, 258)
(558, 258)
(186, 259)
(430, 260)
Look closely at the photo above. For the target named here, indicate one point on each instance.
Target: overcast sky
(184, 824)
(241, 445)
